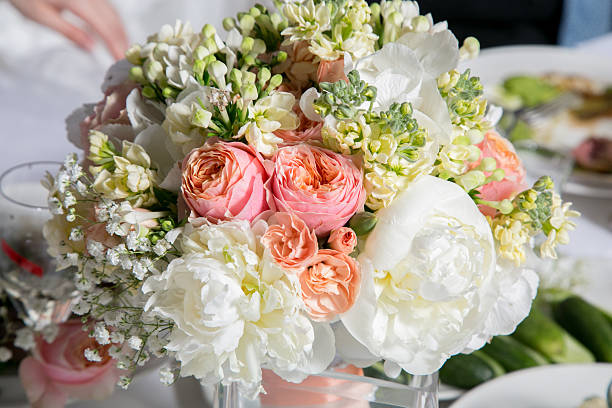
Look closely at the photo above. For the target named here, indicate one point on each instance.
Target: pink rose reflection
(289, 240)
(323, 188)
(503, 152)
(330, 284)
(223, 181)
(58, 371)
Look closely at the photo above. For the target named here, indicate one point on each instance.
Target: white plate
(494, 65)
(554, 386)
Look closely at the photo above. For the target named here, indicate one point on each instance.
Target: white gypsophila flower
(431, 287)
(5, 354)
(235, 310)
(115, 352)
(117, 337)
(92, 355)
(399, 77)
(101, 334)
(269, 114)
(124, 382)
(161, 247)
(167, 376)
(24, 339)
(81, 307)
(135, 342)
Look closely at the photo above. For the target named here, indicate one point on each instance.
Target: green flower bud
(229, 23)
(420, 24)
(149, 92)
(281, 56)
(247, 45)
(198, 68)
(544, 183)
(498, 174)
(375, 9)
(275, 81)
(209, 59)
(249, 60)
(255, 12)
(137, 75)
(247, 22)
(488, 164)
(167, 225)
(264, 75)
(471, 180)
(211, 45)
(249, 92)
(344, 112)
(276, 20)
(235, 76)
(506, 206)
(248, 77)
(259, 47)
(208, 31)
(462, 140)
(395, 18)
(370, 93)
(133, 55)
(363, 222)
(200, 53)
(170, 92)
(475, 135)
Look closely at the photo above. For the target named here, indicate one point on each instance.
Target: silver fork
(537, 116)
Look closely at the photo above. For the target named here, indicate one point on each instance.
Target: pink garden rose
(289, 240)
(343, 239)
(223, 181)
(109, 111)
(330, 284)
(323, 188)
(503, 152)
(58, 371)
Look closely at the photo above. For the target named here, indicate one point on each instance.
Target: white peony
(235, 311)
(431, 286)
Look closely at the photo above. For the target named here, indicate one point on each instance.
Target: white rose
(431, 287)
(235, 310)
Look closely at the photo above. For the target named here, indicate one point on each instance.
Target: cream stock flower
(306, 21)
(561, 226)
(430, 282)
(234, 310)
(269, 114)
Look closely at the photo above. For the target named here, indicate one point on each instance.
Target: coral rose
(330, 284)
(331, 71)
(223, 181)
(308, 130)
(58, 371)
(323, 188)
(503, 152)
(289, 240)
(343, 239)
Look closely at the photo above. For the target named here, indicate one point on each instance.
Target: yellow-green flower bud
(148, 92)
(470, 48)
(544, 183)
(264, 75)
(133, 55)
(229, 23)
(506, 206)
(462, 141)
(208, 31)
(211, 45)
(247, 22)
(198, 68)
(276, 20)
(209, 59)
(395, 18)
(471, 180)
(420, 24)
(259, 47)
(255, 12)
(247, 45)
(281, 56)
(249, 92)
(275, 81)
(248, 77)
(475, 136)
(200, 52)
(137, 75)
(363, 222)
(375, 9)
(488, 164)
(170, 92)
(235, 76)
(249, 60)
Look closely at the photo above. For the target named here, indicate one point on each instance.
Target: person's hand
(98, 15)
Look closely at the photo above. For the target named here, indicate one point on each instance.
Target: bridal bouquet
(319, 182)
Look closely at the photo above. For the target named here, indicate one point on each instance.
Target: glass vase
(336, 388)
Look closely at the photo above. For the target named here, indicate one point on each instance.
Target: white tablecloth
(43, 78)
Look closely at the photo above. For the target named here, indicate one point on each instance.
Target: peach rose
(291, 243)
(58, 371)
(343, 240)
(331, 71)
(300, 68)
(503, 152)
(222, 181)
(109, 111)
(323, 188)
(330, 284)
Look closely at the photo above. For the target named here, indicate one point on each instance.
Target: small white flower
(81, 307)
(117, 337)
(161, 247)
(76, 234)
(114, 352)
(167, 376)
(101, 334)
(49, 332)
(96, 249)
(92, 355)
(24, 339)
(5, 354)
(124, 382)
(135, 342)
